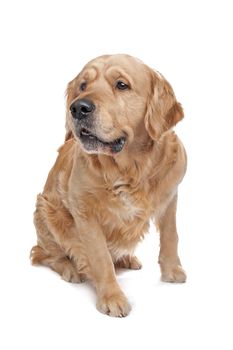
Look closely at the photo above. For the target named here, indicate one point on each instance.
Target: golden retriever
(119, 167)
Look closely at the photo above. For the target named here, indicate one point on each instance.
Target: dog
(119, 167)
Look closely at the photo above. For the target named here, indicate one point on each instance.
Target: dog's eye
(83, 86)
(121, 85)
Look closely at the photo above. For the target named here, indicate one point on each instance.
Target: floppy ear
(163, 110)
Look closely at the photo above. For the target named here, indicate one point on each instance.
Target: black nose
(81, 108)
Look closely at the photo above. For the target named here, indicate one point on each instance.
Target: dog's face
(118, 102)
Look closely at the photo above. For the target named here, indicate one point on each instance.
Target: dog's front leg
(110, 299)
(171, 270)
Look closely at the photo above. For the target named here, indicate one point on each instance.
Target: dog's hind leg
(58, 263)
(48, 253)
(129, 262)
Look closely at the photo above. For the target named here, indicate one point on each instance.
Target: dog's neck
(133, 172)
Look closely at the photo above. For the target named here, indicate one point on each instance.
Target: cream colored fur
(95, 208)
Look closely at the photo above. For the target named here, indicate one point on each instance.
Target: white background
(44, 44)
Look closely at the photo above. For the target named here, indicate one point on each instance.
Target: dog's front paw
(174, 274)
(115, 305)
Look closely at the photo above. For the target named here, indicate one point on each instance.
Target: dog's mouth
(92, 143)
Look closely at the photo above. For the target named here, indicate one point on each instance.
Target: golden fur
(96, 204)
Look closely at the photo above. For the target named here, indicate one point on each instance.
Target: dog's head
(118, 102)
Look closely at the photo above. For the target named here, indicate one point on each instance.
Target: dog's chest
(125, 205)
(125, 221)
